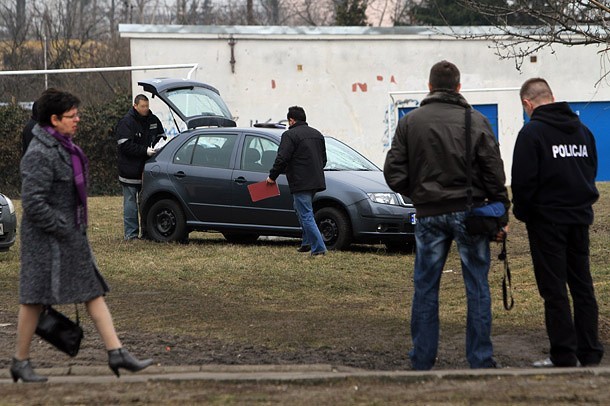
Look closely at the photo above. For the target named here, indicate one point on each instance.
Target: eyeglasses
(71, 116)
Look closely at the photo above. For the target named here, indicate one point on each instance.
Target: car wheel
(241, 238)
(401, 247)
(166, 222)
(335, 228)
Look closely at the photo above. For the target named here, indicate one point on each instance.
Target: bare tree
(13, 19)
(381, 11)
(271, 9)
(61, 34)
(350, 12)
(531, 25)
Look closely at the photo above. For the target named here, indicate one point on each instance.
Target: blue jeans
(131, 225)
(433, 236)
(311, 233)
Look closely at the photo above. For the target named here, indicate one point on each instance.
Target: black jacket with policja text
(554, 168)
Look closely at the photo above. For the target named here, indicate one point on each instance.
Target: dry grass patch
(269, 296)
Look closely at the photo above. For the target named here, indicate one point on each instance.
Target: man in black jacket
(302, 157)
(427, 163)
(136, 133)
(553, 183)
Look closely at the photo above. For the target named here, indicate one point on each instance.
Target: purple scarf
(80, 168)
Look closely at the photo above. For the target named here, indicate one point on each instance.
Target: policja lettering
(567, 151)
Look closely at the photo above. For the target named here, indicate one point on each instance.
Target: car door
(202, 171)
(256, 157)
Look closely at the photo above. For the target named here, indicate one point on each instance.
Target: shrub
(95, 136)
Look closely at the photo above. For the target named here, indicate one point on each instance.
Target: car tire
(241, 238)
(335, 228)
(165, 222)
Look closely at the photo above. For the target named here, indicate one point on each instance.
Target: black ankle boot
(23, 370)
(121, 358)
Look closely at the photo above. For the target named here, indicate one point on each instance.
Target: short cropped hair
(54, 102)
(535, 88)
(139, 98)
(444, 75)
(296, 113)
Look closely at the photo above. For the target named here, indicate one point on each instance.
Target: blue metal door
(596, 116)
(488, 110)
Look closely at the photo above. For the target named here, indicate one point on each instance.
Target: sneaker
(304, 248)
(543, 363)
(547, 363)
(318, 254)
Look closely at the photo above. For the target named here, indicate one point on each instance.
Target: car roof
(275, 132)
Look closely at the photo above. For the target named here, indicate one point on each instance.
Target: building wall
(343, 76)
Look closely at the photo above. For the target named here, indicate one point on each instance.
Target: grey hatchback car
(198, 181)
(8, 223)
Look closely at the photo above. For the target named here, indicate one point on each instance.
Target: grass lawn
(269, 296)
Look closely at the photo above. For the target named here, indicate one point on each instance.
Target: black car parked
(198, 181)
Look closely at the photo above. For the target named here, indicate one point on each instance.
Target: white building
(346, 78)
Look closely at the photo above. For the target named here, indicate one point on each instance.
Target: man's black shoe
(304, 248)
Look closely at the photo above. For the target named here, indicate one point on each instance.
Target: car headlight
(384, 198)
(11, 206)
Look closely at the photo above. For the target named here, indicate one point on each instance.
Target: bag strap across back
(507, 289)
(507, 286)
(468, 159)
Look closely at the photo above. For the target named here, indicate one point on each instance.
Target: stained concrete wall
(343, 76)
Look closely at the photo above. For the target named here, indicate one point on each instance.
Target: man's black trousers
(560, 254)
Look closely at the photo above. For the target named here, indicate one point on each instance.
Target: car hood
(367, 181)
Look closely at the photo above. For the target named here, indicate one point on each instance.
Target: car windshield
(198, 101)
(340, 157)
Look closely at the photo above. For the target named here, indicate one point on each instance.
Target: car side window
(258, 154)
(212, 150)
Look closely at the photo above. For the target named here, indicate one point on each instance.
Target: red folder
(263, 190)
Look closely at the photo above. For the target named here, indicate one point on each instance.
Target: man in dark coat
(553, 183)
(427, 163)
(302, 157)
(27, 134)
(137, 133)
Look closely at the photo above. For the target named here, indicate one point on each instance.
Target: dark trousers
(560, 253)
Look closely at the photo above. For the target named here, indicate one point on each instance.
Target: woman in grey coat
(57, 264)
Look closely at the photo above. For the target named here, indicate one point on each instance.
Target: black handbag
(60, 331)
(480, 220)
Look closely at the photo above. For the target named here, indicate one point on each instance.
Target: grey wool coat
(57, 264)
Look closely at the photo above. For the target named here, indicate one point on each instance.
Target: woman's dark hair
(35, 111)
(296, 113)
(444, 75)
(54, 101)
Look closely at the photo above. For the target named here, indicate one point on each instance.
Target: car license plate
(1, 229)
(412, 218)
